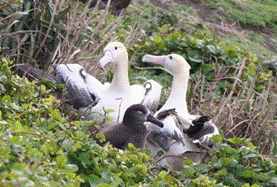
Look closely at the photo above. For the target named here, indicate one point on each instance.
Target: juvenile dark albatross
(132, 129)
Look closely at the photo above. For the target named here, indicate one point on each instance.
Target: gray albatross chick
(132, 129)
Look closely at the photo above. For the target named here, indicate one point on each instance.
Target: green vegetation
(39, 146)
(252, 12)
(42, 143)
(248, 24)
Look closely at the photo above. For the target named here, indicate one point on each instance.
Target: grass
(252, 12)
(251, 23)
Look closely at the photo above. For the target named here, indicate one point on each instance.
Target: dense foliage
(39, 146)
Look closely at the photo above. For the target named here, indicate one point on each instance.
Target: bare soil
(224, 26)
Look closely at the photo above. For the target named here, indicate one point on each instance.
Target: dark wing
(170, 131)
(78, 96)
(78, 85)
(201, 131)
(37, 74)
(177, 123)
(195, 129)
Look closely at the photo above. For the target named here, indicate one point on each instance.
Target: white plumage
(176, 138)
(117, 95)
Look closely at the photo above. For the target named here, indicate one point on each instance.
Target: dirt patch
(201, 9)
(164, 4)
(206, 13)
(223, 25)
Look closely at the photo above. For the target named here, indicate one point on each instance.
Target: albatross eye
(170, 57)
(115, 48)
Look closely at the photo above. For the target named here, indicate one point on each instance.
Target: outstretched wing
(81, 87)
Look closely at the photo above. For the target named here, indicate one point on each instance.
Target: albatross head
(173, 63)
(138, 114)
(114, 52)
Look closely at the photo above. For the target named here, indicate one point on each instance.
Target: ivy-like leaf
(61, 160)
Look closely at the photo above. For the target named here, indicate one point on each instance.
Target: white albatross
(182, 132)
(117, 95)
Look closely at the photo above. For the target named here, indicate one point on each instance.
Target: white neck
(177, 96)
(120, 82)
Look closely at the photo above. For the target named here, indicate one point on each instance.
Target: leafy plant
(236, 163)
(41, 146)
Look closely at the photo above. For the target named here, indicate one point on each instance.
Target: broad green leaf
(225, 160)
(57, 115)
(17, 126)
(162, 174)
(94, 180)
(262, 177)
(6, 99)
(222, 172)
(216, 138)
(104, 185)
(61, 160)
(236, 140)
(71, 167)
(187, 161)
(100, 137)
(52, 125)
(50, 147)
(247, 174)
(188, 172)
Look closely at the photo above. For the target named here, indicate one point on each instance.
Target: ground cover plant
(257, 13)
(44, 144)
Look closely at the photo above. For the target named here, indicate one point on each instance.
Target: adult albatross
(182, 133)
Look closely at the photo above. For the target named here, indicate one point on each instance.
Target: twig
(236, 126)
(47, 32)
(232, 90)
(33, 133)
(23, 32)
